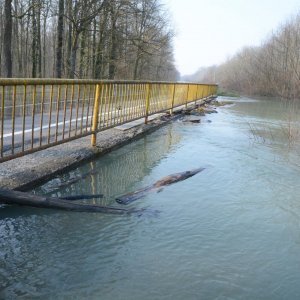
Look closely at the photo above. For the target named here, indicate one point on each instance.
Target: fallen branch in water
(27, 199)
(81, 197)
(157, 186)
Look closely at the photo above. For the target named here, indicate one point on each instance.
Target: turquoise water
(229, 232)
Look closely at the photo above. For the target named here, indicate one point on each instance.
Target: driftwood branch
(21, 198)
(157, 186)
(81, 197)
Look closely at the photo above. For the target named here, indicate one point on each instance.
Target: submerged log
(27, 199)
(81, 197)
(157, 186)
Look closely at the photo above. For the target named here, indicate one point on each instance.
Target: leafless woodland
(101, 39)
(272, 69)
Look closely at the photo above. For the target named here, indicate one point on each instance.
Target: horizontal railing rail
(39, 113)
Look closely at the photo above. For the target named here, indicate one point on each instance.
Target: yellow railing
(38, 113)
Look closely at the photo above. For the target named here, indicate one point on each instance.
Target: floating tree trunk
(27, 199)
(81, 197)
(157, 186)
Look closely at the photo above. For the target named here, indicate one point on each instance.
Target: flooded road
(231, 231)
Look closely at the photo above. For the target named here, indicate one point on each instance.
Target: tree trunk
(74, 54)
(113, 48)
(94, 48)
(136, 66)
(38, 40)
(69, 39)
(7, 39)
(26, 56)
(34, 42)
(20, 198)
(60, 34)
(82, 53)
(18, 42)
(100, 47)
(99, 57)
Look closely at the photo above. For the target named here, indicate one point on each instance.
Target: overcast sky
(210, 31)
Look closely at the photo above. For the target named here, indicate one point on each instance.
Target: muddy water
(231, 231)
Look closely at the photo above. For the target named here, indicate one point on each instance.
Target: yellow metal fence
(38, 113)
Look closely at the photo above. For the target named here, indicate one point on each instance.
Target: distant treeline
(273, 69)
(101, 39)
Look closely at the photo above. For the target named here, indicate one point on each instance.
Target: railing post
(2, 120)
(197, 92)
(206, 91)
(202, 94)
(187, 96)
(173, 98)
(95, 115)
(13, 119)
(148, 87)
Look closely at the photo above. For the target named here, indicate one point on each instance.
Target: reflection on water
(117, 172)
(229, 232)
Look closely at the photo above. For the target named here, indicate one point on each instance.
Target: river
(229, 232)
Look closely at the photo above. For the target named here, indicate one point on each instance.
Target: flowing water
(231, 231)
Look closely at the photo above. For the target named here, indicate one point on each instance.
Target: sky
(210, 31)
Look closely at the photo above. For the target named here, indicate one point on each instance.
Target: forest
(100, 39)
(271, 69)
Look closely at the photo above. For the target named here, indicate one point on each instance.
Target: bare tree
(60, 34)
(7, 38)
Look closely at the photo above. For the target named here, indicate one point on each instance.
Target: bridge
(38, 113)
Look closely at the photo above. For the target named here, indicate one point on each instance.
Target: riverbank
(25, 172)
